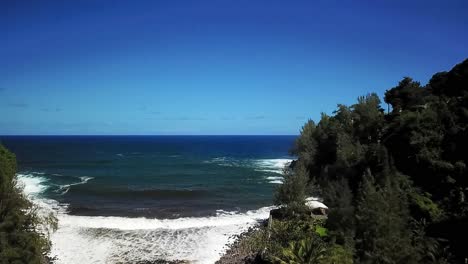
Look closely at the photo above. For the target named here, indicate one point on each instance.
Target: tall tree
(20, 241)
(382, 221)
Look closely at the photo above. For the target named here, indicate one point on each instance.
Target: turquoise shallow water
(153, 176)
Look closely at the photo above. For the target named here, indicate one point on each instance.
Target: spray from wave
(32, 184)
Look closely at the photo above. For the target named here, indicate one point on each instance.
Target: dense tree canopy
(396, 181)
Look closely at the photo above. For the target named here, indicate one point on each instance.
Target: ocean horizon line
(148, 135)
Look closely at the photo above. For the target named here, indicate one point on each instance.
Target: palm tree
(305, 251)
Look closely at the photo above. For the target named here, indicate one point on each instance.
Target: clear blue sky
(211, 67)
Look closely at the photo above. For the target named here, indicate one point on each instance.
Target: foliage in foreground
(20, 241)
(396, 182)
(308, 250)
(298, 240)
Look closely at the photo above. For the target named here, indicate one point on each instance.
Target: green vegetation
(395, 181)
(307, 250)
(291, 241)
(20, 240)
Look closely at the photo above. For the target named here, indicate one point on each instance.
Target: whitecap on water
(275, 179)
(275, 166)
(63, 189)
(272, 165)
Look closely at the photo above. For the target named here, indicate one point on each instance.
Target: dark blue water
(154, 176)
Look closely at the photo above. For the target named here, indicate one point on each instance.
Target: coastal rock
(239, 251)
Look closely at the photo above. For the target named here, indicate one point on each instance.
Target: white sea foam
(97, 239)
(200, 240)
(32, 184)
(124, 223)
(269, 170)
(63, 189)
(275, 180)
(85, 239)
(274, 166)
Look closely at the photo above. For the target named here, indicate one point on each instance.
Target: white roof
(313, 202)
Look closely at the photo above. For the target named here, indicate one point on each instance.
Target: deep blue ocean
(128, 199)
(154, 176)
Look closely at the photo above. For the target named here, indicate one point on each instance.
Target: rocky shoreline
(239, 251)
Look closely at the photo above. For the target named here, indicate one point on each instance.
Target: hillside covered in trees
(395, 180)
(21, 236)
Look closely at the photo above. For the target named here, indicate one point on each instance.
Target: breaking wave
(63, 189)
(271, 167)
(108, 239)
